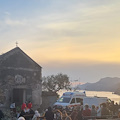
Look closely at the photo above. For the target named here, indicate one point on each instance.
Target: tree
(54, 83)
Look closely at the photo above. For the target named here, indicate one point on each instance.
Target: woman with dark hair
(49, 115)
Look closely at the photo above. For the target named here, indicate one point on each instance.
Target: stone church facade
(20, 79)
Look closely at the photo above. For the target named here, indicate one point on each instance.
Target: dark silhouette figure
(49, 115)
(1, 114)
(104, 110)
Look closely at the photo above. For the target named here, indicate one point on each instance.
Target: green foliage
(18, 108)
(54, 83)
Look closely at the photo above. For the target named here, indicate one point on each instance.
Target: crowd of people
(26, 112)
(79, 112)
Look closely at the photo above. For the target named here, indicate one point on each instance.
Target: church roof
(17, 57)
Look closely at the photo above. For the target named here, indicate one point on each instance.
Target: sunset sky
(80, 38)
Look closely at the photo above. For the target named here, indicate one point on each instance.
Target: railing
(91, 117)
(101, 117)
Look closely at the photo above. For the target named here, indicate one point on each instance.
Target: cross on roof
(16, 44)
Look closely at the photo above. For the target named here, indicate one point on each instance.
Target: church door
(18, 96)
(21, 95)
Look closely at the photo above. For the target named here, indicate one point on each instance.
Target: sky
(80, 38)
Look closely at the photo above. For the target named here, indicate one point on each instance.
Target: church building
(20, 79)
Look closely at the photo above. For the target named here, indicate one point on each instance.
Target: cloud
(15, 22)
(75, 22)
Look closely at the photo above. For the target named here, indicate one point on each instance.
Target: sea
(110, 95)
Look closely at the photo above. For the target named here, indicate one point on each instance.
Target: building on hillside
(20, 79)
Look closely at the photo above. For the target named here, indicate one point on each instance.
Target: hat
(37, 114)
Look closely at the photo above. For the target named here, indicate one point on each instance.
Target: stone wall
(22, 79)
(48, 99)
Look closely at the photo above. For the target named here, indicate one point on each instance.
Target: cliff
(104, 84)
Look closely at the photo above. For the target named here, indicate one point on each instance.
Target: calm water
(110, 95)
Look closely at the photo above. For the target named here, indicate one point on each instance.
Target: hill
(104, 84)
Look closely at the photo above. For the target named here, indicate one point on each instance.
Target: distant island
(104, 84)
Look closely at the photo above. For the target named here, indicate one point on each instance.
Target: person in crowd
(64, 114)
(1, 114)
(22, 113)
(86, 113)
(116, 107)
(118, 113)
(60, 108)
(36, 115)
(21, 118)
(29, 105)
(74, 114)
(98, 109)
(49, 115)
(31, 113)
(111, 107)
(57, 114)
(67, 109)
(93, 111)
(26, 110)
(104, 110)
(23, 106)
(25, 113)
(79, 116)
(12, 107)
